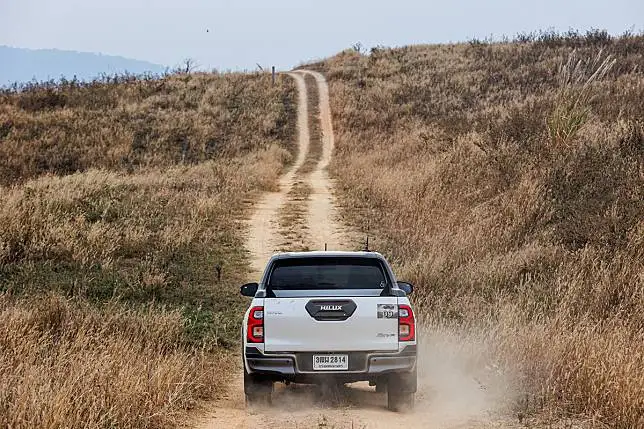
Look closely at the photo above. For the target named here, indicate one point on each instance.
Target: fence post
(273, 74)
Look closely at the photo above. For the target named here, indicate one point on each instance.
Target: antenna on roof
(366, 246)
(325, 247)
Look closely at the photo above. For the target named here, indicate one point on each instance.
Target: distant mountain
(22, 65)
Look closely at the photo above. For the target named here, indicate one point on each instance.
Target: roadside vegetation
(121, 243)
(506, 181)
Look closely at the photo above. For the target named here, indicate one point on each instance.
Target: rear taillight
(255, 332)
(406, 324)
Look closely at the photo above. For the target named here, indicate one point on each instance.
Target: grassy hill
(506, 181)
(121, 248)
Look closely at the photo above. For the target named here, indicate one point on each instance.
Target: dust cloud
(461, 380)
(461, 385)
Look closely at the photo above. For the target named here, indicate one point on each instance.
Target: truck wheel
(401, 390)
(258, 400)
(400, 402)
(257, 390)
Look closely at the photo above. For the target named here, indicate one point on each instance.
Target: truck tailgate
(331, 324)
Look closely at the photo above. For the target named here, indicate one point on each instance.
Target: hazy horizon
(285, 33)
(24, 65)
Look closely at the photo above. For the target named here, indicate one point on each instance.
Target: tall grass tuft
(576, 78)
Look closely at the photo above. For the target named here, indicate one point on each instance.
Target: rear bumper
(298, 367)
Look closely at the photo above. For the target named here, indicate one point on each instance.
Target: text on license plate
(330, 362)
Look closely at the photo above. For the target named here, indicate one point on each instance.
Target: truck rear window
(327, 273)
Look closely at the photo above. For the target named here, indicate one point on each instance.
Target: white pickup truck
(330, 317)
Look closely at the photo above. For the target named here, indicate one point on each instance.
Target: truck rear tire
(258, 400)
(257, 390)
(401, 391)
(400, 402)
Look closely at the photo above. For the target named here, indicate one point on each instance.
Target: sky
(238, 35)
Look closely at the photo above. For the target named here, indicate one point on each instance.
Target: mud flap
(256, 385)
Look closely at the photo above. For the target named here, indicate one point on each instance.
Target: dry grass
(127, 123)
(65, 364)
(576, 80)
(446, 152)
(116, 280)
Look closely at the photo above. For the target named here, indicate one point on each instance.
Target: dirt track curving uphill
(456, 399)
(264, 238)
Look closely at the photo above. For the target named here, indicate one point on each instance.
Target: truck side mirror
(249, 289)
(408, 288)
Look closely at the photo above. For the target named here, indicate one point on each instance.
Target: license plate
(330, 362)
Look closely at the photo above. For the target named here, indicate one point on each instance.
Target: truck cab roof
(328, 254)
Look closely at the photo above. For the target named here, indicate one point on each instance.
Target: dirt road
(264, 237)
(450, 396)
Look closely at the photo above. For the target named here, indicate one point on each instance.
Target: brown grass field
(506, 181)
(121, 247)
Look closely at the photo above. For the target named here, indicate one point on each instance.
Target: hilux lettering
(330, 308)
